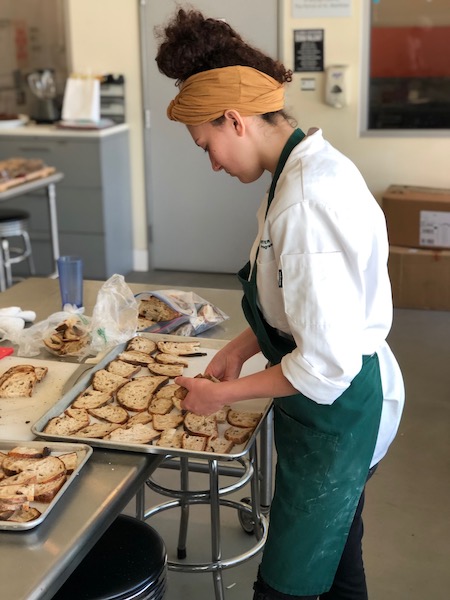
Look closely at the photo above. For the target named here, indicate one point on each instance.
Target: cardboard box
(417, 217)
(420, 278)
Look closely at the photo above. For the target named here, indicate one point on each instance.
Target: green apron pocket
(304, 462)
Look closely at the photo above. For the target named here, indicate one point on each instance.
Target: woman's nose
(215, 165)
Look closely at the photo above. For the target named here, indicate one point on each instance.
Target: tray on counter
(83, 451)
(196, 365)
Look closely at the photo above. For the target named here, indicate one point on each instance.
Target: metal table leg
(266, 469)
(51, 196)
(216, 554)
(184, 506)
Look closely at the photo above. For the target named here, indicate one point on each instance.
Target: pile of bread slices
(31, 475)
(133, 401)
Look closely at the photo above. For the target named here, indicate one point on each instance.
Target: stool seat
(12, 214)
(129, 561)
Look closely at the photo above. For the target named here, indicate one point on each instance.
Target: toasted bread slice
(17, 493)
(122, 368)
(92, 399)
(168, 370)
(112, 414)
(242, 418)
(157, 310)
(97, 430)
(45, 492)
(170, 438)
(141, 417)
(41, 372)
(167, 391)
(136, 434)
(221, 415)
(170, 359)
(219, 445)
(160, 406)
(170, 421)
(181, 392)
(81, 414)
(24, 515)
(104, 381)
(136, 394)
(144, 323)
(200, 425)
(238, 435)
(26, 452)
(18, 382)
(181, 348)
(70, 460)
(135, 357)
(63, 425)
(193, 442)
(142, 344)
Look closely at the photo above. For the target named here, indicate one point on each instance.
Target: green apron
(324, 453)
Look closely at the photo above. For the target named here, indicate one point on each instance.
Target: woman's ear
(234, 118)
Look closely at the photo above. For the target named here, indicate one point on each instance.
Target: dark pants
(350, 580)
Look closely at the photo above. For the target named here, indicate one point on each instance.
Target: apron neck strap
(295, 138)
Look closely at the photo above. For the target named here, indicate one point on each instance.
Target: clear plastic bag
(113, 321)
(194, 314)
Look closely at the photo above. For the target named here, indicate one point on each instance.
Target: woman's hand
(204, 396)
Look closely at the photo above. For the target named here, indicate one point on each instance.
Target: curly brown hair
(191, 43)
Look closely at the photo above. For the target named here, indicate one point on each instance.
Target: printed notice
(308, 50)
(302, 9)
(434, 229)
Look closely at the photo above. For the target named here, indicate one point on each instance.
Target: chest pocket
(270, 295)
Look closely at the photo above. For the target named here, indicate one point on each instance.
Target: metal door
(198, 220)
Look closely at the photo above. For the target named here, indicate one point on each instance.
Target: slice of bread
(144, 323)
(81, 414)
(122, 368)
(45, 492)
(180, 348)
(136, 434)
(168, 370)
(26, 452)
(170, 359)
(135, 357)
(104, 381)
(142, 417)
(18, 382)
(170, 421)
(97, 430)
(41, 372)
(142, 344)
(221, 415)
(238, 435)
(135, 395)
(194, 442)
(92, 399)
(70, 460)
(219, 445)
(167, 391)
(200, 425)
(157, 310)
(63, 425)
(160, 406)
(170, 438)
(24, 515)
(242, 418)
(112, 414)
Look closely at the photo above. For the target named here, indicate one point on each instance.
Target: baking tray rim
(84, 382)
(61, 447)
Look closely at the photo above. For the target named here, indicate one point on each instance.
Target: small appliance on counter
(44, 108)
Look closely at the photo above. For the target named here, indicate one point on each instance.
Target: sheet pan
(56, 448)
(196, 365)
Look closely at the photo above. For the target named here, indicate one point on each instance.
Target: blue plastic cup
(70, 271)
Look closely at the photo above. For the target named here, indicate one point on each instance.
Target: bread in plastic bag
(177, 312)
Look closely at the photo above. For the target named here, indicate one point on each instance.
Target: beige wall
(105, 37)
(383, 161)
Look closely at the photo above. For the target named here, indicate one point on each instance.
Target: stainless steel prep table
(53, 550)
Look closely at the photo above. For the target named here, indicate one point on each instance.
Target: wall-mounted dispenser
(336, 86)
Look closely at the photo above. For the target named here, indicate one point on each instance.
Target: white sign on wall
(302, 9)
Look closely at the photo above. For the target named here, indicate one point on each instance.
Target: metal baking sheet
(56, 448)
(196, 365)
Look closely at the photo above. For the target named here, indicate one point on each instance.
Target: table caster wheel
(246, 518)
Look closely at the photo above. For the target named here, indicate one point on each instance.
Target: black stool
(14, 223)
(128, 562)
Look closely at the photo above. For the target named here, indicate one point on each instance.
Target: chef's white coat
(322, 278)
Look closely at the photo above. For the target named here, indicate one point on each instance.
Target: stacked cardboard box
(418, 222)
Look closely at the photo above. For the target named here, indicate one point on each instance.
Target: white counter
(55, 132)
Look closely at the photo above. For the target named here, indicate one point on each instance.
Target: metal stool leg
(266, 468)
(215, 528)
(184, 507)
(7, 262)
(29, 252)
(2, 270)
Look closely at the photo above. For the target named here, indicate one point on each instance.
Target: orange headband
(207, 95)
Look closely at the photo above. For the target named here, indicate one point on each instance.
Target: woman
(318, 302)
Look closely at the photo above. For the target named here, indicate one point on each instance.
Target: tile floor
(407, 514)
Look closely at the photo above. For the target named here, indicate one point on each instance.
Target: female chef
(317, 299)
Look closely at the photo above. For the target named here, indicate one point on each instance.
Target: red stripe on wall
(410, 52)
